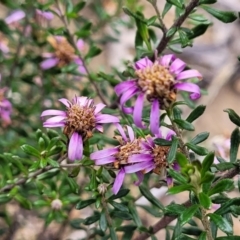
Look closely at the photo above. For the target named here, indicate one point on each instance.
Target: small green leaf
(113, 235)
(119, 206)
(149, 196)
(224, 166)
(25, 203)
(93, 52)
(203, 236)
(197, 149)
(121, 215)
(177, 176)
(167, 7)
(207, 163)
(92, 219)
(200, 138)
(103, 222)
(171, 32)
(196, 113)
(199, 30)
(225, 208)
(177, 3)
(151, 210)
(4, 198)
(207, 1)
(79, 6)
(228, 238)
(172, 151)
(85, 203)
(49, 174)
(184, 124)
(204, 200)
(174, 209)
(30, 150)
(135, 215)
(178, 189)
(162, 142)
(188, 214)
(183, 38)
(151, 20)
(221, 186)
(223, 16)
(181, 159)
(221, 223)
(233, 116)
(53, 163)
(207, 178)
(120, 194)
(234, 145)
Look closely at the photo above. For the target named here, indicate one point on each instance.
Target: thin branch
(163, 223)
(23, 180)
(165, 39)
(63, 19)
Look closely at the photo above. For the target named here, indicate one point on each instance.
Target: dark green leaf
(162, 142)
(177, 176)
(4, 198)
(149, 196)
(197, 149)
(228, 238)
(73, 185)
(184, 124)
(113, 234)
(234, 145)
(173, 149)
(225, 208)
(196, 113)
(30, 150)
(199, 30)
(198, 18)
(177, 113)
(103, 222)
(233, 116)
(178, 189)
(223, 16)
(151, 210)
(207, 1)
(121, 215)
(200, 138)
(174, 209)
(224, 166)
(221, 186)
(181, 159)
(235, 209)
(85, 203)
(126, 228)
(151, 20)
(193, 230)
(207, 163)
(79, 6)
(119, 206)
(94, 51)
(221, 223)
(53, 163)
(188, 214)
(204, 200)
(203, 236)
(183, 38)
(49, 174)
(135, 215)
(25, 203)
(4, 27)
(92, 219)
(120, 194)
(171, 32)
(167, 7)
(208, 177)
(177, 3)
(177, 230)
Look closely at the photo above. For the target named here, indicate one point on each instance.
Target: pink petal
(138, 167)
(65, 102)
(189, 74)
(80, 44)
(104, 161)
(103, 153)
(143, 63)
(99, 128)
(189, 87)
(170, 133)
(99, 107)
(4, 48)
(169, 182)
(121, 131)
(130, 133)
(53, 112)
(75, 147)
(137, 112)
(48, 55)
(177, 66)
(56, 119)
(53, 125)
(106, 118)
(140, 158)
(154, 117)
(15, 16)
(49, 63)
(118, 181)
(140, 176)
(124, 86)
(166, 60)
(128, 95)
(46, 15)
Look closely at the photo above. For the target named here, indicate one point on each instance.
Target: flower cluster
(159, 81)
(79, 121)
(134, 155)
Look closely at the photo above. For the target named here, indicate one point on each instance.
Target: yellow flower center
(158, 83)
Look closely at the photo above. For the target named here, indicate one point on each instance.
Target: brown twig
(165, 39)
(23, 180)
(163, 223)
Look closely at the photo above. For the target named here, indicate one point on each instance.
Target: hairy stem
(206, 224)
(105, 208)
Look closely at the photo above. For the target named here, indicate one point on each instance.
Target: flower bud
(56, 204)
(102, 188)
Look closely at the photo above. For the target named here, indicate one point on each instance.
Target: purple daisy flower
(159, 81)
(118, 156)
(64, 54)
(79, 121)
(154, 157)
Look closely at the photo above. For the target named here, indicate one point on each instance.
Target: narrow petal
(99, 107)
(104, 161)
(15, 16)
(130, 133)
(65, 102)
(166, 60)
(189, 87)
(169, 182)
(170, 133)
(55, 119)
(49, 63)
(53, 125)
(53, 112)
(48, 55)
(80, 44)
(75, 147)
(138, 109)
(103, 153)
(124, 86)
(106, 118)
(154, 117)
(47, 15)
(4, 48)
(143, 157)
(177, 66)
(99, 128)
(143, 63)
(176, 166)
(118, 181)
(121, 131)
(140, 176)
(128, 94)
(138, 167)
(189, 74)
